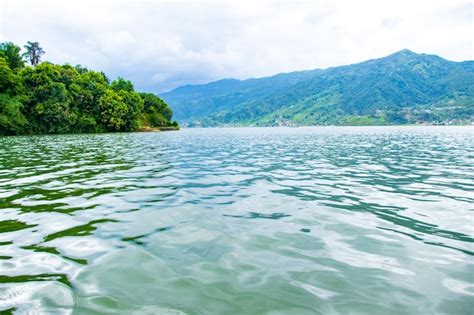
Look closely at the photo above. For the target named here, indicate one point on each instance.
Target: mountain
(404, 87)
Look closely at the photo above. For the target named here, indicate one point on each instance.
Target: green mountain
(404, 87)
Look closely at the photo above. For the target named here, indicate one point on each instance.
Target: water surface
(356, 220)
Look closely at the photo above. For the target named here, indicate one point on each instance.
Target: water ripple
(239, 221)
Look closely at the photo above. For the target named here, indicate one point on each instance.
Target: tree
(113, 110)
(11, 53)
(87, 90)
(9, 82)
(53, 114)
(12, 121)
(81, 69)
(105, 77)
(120, 84)
(135, 107)
(156, 112)
(47, 102)
(38, 80)
(33, 53)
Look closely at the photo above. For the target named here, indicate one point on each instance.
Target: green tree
(37, 80)
(33, 53)
(53, 114)
(12, 120)
(105, 77)
(120, 84)
(11, 53)
(47, 100)
(86, 91)
(10, 83)
(134, 109)
(68, 74)
(156, 113)
(112, 110)
(132, 99)
(81, 69)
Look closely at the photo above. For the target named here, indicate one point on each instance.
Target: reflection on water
(239, 221)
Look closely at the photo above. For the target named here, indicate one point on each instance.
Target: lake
(317, 220)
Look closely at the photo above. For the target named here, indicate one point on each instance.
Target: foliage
(33, 53)
(155, 111)
(404, 87)
(11, 53)
(12, 121)
(113, 110)
(122, 85)
(10, 83)
(50, 98)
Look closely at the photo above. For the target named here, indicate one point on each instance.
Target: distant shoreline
(165, 129)
(158, 129)
(306, 126)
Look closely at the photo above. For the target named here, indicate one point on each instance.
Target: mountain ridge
(403, 87)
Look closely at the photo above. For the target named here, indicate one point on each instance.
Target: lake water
(329, 220)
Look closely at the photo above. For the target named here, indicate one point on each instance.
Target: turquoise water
(330, 220)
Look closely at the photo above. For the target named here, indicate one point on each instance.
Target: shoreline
(157, 129)
(166, 129)
(308, 126)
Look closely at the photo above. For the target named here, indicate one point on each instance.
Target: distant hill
(404, 87)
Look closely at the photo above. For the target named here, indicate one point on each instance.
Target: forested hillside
(41, 97)
(404, 87)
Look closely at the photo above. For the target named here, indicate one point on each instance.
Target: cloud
(161, 45)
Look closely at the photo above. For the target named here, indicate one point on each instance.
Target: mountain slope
(404, 87)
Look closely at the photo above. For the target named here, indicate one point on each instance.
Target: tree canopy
(33, 53)
(12, 55)
(49, 98)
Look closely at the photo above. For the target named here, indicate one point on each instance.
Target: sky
(161, 45)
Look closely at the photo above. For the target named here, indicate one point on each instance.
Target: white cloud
(160, 45)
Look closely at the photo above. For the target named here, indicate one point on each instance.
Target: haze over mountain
(404, 87)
